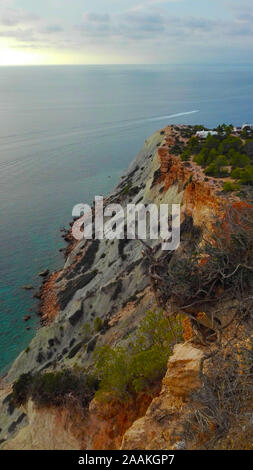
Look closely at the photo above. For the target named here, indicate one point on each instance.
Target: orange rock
(49, 307)
(162, 426)
(188, 332)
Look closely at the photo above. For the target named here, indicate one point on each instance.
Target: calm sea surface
(67, 134)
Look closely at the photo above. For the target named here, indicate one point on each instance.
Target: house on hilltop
(205, 134)
(247, 126)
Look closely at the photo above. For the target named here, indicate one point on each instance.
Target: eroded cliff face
(186, 415)
(46, 429)
(162, 426)
(141, 423)
(109, 280)
(66, 428)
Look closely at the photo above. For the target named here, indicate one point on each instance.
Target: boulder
(44, 273)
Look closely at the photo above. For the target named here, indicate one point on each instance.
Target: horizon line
(130, 64)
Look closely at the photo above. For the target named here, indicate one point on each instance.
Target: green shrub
(224, 129)
(243, 175)
(211, 156)
(236, 173)
(238, 159)
(86, 331)
(221, 161)
(126, 189)
(200, 158)
(21, 389)
(212, 142)
(248, 148)
(212, 170)
(205, 156)
(98, 324)
(229, 186)
(194, 145)
(199, 127)
(130, 369)
(55, 388)
(178, 147)
(246, 176)
(231, 143)
(185, 156)
(218, 152)
(217, 167)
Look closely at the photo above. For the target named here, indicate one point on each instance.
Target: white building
(249, 126)
(205, 134)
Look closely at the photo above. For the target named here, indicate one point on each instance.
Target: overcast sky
(126, 31)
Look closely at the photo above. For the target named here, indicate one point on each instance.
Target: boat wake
(161, 118)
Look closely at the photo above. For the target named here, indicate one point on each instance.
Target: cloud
(20, 34)
(202, 25)
(132, 24)
(149, 23)
(146, 30)
(25, 27)
(96, 18)
(245, 17)
(153, 3)
(14, 17)
(140, 18)
(57, 28)
(146, 25)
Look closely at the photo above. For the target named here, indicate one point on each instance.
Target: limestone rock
(47, 429)
(162, 426)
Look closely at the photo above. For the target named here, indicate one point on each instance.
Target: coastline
(104, 290)
(48, 307)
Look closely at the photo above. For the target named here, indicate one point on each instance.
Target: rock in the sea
(27, 287)
(37, 295)
(27, 317)
(44, 273)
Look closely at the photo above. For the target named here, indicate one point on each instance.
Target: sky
(37, 32)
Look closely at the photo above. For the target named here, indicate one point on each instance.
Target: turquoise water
(67, 134)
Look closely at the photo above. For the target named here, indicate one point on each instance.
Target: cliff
(99, 298)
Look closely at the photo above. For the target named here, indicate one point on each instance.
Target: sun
(16, 56)
(14, 53)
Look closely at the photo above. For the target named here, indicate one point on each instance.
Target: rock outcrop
(162, 425)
